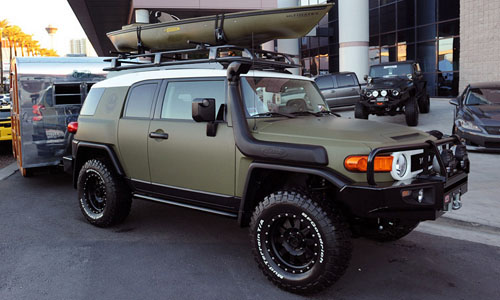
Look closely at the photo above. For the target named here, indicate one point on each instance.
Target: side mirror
(365, 77)
(203, 109)
(454, 101)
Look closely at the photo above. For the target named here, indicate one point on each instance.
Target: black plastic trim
(331, 176)
(264, 150)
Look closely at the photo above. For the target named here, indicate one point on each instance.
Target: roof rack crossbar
(260, 59)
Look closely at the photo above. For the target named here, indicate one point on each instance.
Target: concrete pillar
(354, 36)
(290, 46)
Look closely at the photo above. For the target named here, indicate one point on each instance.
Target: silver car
(339, 89)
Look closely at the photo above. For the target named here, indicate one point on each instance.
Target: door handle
(158, 135)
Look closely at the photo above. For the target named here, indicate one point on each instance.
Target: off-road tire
(411, 112)
(360, 111)
(387, 230)
(424, 104)
(97, 180)
(327, 240)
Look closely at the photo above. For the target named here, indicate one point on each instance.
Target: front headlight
(468, 125)
(383, 93)
(368, 93)
(375, 93)
(395, 93)
(401, 165)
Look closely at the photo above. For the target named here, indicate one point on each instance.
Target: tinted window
(90, 105)
(67, 93)
(4, 114)
(346, 80)
(483, 97)
(391, 70)
(140, 100)
(180, 95)
(324, 82)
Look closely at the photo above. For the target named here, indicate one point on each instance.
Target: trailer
(47, 94)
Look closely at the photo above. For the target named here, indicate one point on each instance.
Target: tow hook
(457, 202)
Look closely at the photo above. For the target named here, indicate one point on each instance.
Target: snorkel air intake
(264, 150)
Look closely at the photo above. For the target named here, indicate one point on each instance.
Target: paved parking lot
(48, 251)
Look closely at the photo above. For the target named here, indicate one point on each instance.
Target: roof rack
(225, 54)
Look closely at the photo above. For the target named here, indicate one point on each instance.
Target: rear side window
(179, 97)
(67, 93)
(140, 100)
(345, 80)
(324, 82)
(90, 105)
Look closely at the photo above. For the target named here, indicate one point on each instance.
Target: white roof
(129, 79)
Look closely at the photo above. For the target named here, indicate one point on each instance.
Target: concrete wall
(479, 41)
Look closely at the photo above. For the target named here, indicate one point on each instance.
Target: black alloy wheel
(94, 192)
(104, 198)
(300, 245)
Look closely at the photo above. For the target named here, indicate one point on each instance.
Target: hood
(487, 114)
(389, 83)
(330, 131)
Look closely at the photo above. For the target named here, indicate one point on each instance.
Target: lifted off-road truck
(241, 137)
(394, 88)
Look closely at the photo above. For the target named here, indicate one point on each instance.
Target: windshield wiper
(273, 114)
(317, 114)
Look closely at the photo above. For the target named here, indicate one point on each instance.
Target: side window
(344, 80)
(67, 93)
(180, 95)
(139, 100)
(324, 82)
(90, 105)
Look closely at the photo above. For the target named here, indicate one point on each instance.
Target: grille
(7, 125)
(493, 130)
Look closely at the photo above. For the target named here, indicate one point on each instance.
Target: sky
(34, 15)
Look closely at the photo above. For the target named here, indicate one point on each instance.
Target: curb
(8, 171)
(461, 223)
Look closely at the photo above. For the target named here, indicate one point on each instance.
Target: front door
(184, 162)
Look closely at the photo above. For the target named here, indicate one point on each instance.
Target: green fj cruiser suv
(241, 137)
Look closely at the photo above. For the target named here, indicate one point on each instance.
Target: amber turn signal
(360, 163)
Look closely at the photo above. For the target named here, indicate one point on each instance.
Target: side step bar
(209, 210)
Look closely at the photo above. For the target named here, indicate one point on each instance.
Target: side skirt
(209, 210)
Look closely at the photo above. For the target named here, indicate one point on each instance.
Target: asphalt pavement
(49, 251)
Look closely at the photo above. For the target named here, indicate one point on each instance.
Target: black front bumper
(400, 199)
(383, 104)
(387, 201)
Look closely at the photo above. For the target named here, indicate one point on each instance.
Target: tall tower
(51, 30)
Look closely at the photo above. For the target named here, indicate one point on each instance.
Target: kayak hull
(242, 29)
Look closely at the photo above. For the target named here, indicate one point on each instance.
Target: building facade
(426, 31)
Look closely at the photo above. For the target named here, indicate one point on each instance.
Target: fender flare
(107, 148)
(337, 180)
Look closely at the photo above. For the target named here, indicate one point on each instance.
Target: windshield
(483, 97)
(263, 95)
(391, 70)
(4, 113)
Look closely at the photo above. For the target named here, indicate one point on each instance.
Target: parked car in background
(394, 88)
(5, 124)
(477, 116)
(339, 89)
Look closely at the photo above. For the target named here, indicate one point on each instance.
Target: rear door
(326, 86)
(133, 129)
(348, 89)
